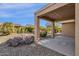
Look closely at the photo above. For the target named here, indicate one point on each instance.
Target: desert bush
(6, 33)
(7, 28)
(43, 33)
(29, 29)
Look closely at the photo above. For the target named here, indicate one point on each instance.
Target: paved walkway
(61, 44)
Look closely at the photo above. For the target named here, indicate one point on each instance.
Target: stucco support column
(52, 30)
(77, 29)
(37, 29)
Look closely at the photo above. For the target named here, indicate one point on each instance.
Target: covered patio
(61, 44)
(66, 13)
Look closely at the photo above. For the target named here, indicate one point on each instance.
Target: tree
(57, 27)
(7, 27)
(30, 28)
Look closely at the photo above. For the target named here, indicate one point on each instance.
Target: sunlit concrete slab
(62, 44)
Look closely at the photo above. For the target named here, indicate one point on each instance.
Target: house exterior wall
(77, 29)
(68, 29)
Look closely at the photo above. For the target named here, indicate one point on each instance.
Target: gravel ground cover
(27, 50)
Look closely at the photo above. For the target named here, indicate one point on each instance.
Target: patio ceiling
(57, 12)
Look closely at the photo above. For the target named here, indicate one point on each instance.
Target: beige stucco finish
(50, 7)
(37, 30)
(66, 15)
(77, 29)
(68, 29)
(52, 30)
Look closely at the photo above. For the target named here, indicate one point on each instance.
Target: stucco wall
(77, 29)
(68, 29)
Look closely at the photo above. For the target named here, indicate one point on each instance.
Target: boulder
(16, 41)
(29, 40)
(8, 42)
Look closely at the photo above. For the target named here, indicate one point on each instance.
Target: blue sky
(19, 13)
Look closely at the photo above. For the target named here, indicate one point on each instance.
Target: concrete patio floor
(62, 44)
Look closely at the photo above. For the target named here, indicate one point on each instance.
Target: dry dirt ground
(27, 50)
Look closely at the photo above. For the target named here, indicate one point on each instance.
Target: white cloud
(22, 14)
(15, 5)
(3, 14)
(20, 10)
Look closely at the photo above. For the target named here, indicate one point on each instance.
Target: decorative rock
(16, 41)
(29, 39)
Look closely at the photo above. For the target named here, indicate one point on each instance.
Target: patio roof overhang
(57, 12)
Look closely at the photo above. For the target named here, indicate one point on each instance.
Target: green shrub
(29, 29)
(6, 33)
(43, 33)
